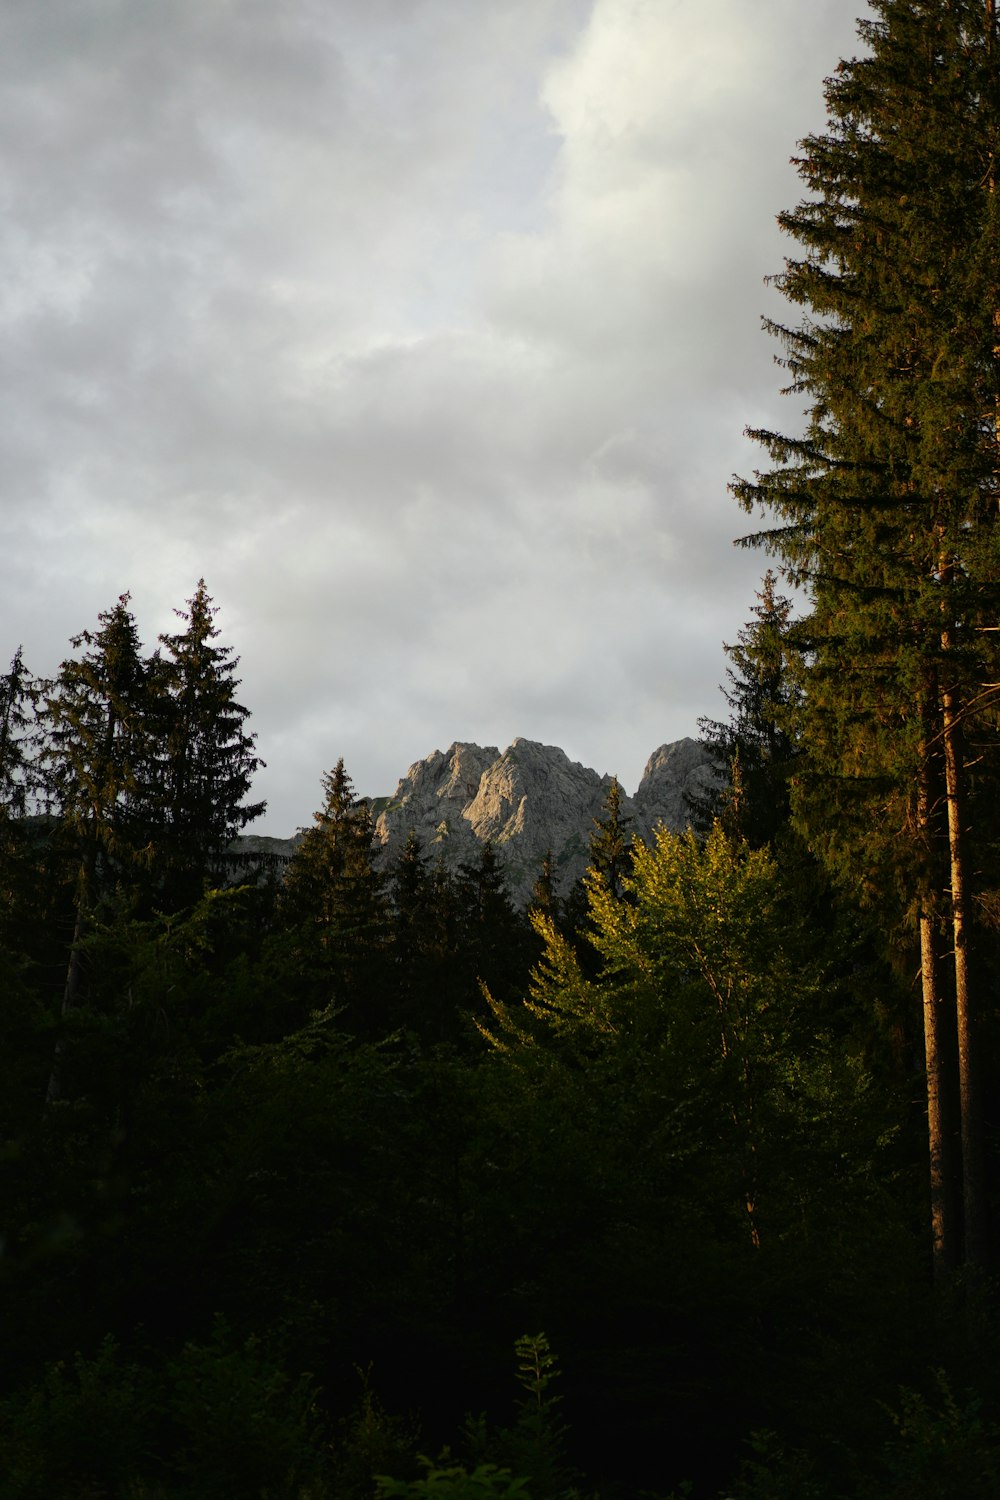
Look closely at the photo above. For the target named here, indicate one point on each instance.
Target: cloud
(426, 334)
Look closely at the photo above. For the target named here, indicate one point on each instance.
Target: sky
(426, 331)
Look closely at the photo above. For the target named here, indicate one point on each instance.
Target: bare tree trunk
(970, 1102)
(943, 1249)
(944, 1253)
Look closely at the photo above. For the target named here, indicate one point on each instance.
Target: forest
(326, 1179)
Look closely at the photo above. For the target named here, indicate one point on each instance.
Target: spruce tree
(410, 889)
(495, 939)
(17, 773)
(334, 855)
(611, 842)
(755, 749)
(543, 892)
(24, 841)
(17, 723)
(887, 505)
(95, 759)
(334, 900)
(96, 746)
(207, 760)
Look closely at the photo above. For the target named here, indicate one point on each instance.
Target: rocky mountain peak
(528, 801)
(673, 773)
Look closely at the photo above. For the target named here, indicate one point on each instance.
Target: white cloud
(426, 334)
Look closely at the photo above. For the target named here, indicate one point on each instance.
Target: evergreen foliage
(333, 901)
(611, 842)
(26, 886)
(332, 871)
(205, 759)
(493, 943)
(16, 738)
(95, 755)
(97, 746)
(755, 749)
(888, 507)
(543, 893)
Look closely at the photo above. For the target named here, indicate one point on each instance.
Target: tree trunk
(943, 1256)
(74, 972)
(940, 1098)
(970, 1102)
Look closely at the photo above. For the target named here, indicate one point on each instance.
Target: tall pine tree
(334, 902)
(207, 759)
(887, 505)
(95, 761)
(16, 737)
(754, 750)
(611, 841)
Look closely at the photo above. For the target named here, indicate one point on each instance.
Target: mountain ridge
(528, 801)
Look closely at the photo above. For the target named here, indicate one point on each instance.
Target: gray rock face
(672, 775)
(527, 801)
(431, 801)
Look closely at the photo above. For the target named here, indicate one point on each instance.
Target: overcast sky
(425, 330)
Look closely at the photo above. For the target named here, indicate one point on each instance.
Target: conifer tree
(95, 759)
(434, 946)
(334, 898)
(334, 854)
(888, 504)
(754, 750)
(410, 901)
(443, 935)
(21, 869)
(543, 892)
(207, 760)
(611, 842)
(410, 888)
(16, 737)
(494, 937)
(96, 749)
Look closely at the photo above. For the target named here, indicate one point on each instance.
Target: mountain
(527, 801)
